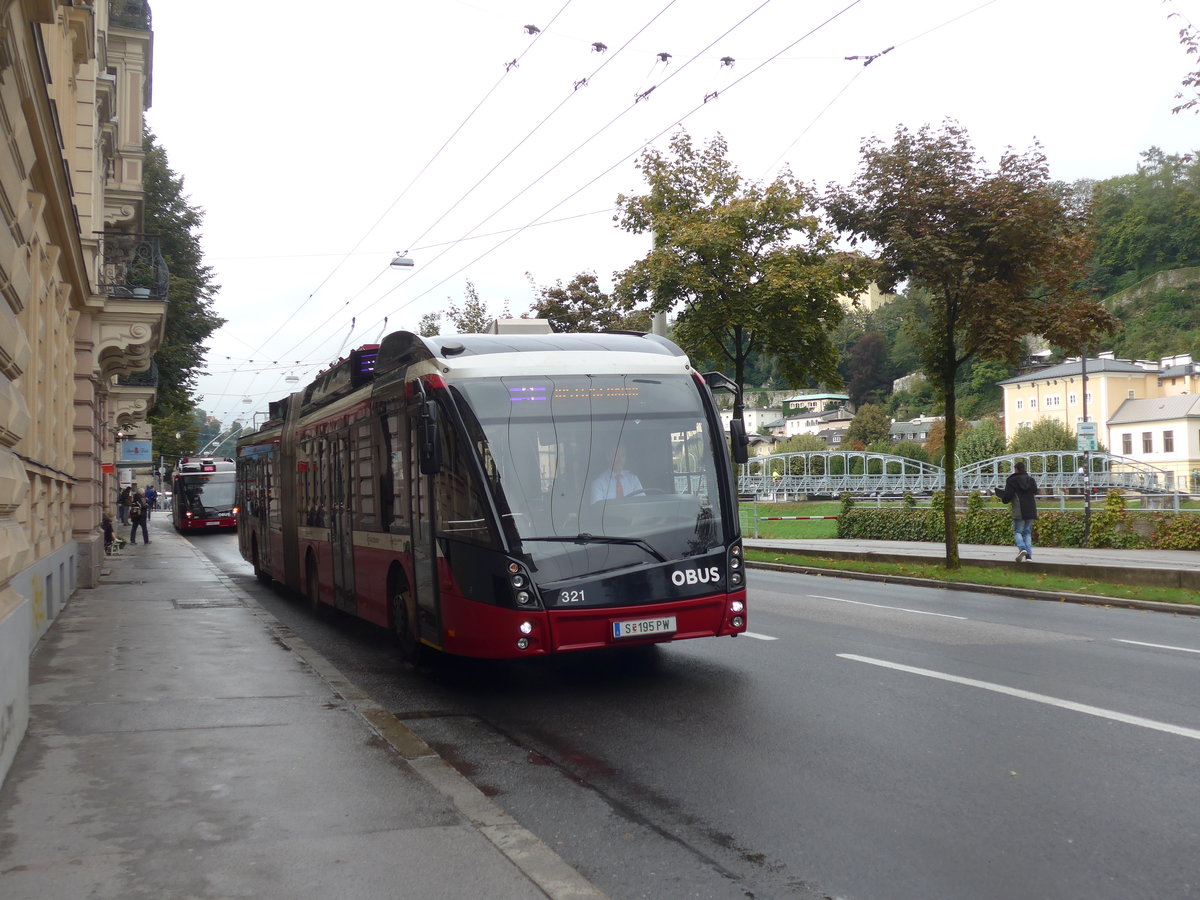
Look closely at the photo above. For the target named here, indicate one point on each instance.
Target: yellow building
(1119, 399)
(83, 303)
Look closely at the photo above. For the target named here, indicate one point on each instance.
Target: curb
(1027, 594)
(521, 847)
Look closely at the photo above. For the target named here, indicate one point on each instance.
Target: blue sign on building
(135, 451)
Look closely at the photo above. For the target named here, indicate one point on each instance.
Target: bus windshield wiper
(586, 538)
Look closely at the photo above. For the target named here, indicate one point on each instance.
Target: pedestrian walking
(151, 496)
(123, 504)
(1021, 491)
(137, 517)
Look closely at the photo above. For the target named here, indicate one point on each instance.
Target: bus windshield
(206, 494)
(593, 473)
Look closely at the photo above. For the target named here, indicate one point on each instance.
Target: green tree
(908, 449)
(430, 324)
(1147, 221)
(801, 443)
(472, 317)
(581, 306)
(868, 374)
(870, 424)
(751, 266)
(1045, 435)
(190, 293)
(999, 253)
(981, 441)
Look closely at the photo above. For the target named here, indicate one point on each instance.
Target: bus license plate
(213, 522)
(639, 627)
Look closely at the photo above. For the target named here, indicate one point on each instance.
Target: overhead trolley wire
(644, 144)
(579, 147)
(536, 36)
(867, 60)
(469, 191)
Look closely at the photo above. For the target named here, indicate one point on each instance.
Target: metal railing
(132, 266)
(835, 472)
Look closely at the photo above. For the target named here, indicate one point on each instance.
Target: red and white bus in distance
(202, 490)
(460, 490)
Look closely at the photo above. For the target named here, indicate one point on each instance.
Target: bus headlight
(525, 628)
(523, 595)
(522, 643)
(738, 622)
(735, 578)
(737, 606)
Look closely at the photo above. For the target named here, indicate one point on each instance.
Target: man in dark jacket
(1021, 491)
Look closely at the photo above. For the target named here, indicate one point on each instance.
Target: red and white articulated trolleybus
(202, 491)
(498, 496)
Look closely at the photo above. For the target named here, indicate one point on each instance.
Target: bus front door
(341, 527)
(424, 544)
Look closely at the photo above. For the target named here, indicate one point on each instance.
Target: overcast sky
(322, 138)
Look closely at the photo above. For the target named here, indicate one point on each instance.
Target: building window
(1147, 442)
(1055, 400)
(1168, 442)
(1020, 404)
(1127, 445)
(1033, 402)
(1070, 399)
(1131, 393)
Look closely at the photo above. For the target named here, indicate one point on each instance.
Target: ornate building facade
(82, 304)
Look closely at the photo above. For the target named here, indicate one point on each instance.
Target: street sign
(1085, 436)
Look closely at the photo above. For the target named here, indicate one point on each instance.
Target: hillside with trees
(1145, 267)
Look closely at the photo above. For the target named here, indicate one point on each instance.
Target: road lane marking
(1159, 646)
(919, 612)
(1097, 711)
(759, 637)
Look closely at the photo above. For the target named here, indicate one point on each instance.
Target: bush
(1114, 526)
(1176, 531)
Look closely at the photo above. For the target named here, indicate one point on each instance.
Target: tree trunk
(950, 513)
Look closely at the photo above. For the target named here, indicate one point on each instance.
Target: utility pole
(1087, 455)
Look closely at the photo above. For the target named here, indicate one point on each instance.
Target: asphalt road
(866, 741)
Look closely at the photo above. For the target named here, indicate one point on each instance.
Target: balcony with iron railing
(146, 379)
(132, 266)
(130, 14)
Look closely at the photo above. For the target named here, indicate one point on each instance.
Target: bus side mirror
(741, 444)
(431, 446)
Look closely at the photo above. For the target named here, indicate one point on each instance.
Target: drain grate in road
(222, 603)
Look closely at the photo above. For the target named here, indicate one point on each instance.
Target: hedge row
(981, 523)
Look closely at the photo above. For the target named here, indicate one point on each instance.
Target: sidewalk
(1180, 560)
(183, 744)
(1168, 568)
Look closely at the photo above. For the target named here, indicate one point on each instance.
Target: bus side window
(363, 462)
(395, 493)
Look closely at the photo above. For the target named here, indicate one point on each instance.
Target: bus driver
(620, 482)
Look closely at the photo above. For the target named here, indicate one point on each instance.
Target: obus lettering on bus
(681, 577)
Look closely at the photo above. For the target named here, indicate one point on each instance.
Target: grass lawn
(979, 575)
(811, 530)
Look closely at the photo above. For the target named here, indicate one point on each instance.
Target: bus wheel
(405, 627)
(259, 572)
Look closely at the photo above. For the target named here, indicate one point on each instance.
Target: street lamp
(402, 260)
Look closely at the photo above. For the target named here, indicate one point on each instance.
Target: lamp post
(1087, 455)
